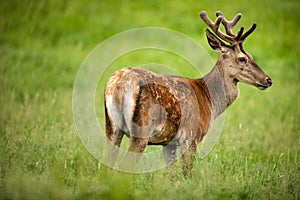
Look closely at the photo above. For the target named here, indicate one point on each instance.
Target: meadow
(42, 45)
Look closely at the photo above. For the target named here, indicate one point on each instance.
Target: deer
(177, 112)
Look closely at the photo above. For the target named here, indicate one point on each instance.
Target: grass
(42, 45)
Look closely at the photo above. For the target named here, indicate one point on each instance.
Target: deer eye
(242, 59)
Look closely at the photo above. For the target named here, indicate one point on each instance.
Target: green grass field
(42, 45)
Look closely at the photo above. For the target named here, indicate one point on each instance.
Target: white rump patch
(113, 112)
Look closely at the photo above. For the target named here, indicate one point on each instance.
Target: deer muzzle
(266, 83)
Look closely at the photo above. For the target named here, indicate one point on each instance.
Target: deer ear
(215, 42)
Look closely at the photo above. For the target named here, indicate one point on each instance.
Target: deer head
(236, 64)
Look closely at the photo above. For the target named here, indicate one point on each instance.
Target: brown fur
(162, 105)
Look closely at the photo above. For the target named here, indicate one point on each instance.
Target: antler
(229, 36)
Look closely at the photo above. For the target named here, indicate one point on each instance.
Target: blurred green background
(42, 45)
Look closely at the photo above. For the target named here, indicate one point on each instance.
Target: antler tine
(229, 24)
(215, 26)
(207, 20)
(243, 37)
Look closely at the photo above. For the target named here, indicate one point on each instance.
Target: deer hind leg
(139, 137)
(114, 142)
(113, 139)
(135, 150)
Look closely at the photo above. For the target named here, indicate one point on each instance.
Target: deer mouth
(261, 87)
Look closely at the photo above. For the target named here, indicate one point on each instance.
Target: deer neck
(223, 90)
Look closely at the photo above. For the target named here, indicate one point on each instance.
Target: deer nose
(269, 81)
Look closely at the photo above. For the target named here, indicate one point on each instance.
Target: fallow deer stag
(171, 111)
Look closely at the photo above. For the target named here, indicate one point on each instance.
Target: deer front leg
(188, 158)
(169, 152)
